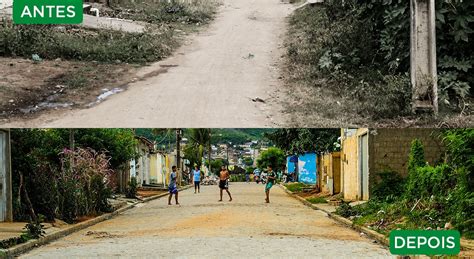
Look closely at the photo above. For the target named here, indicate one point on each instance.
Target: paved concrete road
(209, 82)
(203, 227)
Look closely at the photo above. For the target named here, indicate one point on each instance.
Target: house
(329, 172)
(140, 167)
(158, 168)
(367, 152)
(304, 166)
(6, 210)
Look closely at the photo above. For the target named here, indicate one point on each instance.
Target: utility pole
(178, 154)
(178, 148)
(209, 151)
(423, 72)
(6, 195)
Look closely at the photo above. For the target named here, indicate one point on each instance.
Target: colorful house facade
(304, 166)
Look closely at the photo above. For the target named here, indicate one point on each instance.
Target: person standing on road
(224, 182)
(172, 187)
(197, 179)
(271, 178)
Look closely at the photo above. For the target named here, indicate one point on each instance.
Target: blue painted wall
(307, 168)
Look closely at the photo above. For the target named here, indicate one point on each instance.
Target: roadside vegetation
(431, 197)
(196, 12)
(109, 46)
(53, 181)
(354, 57)
(66, 53)
(296, 187)
(73, 43)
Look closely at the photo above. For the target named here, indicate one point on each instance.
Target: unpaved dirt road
(203, 227)
(209, 82)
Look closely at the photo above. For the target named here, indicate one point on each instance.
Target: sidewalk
(59, 229)
(15, 229)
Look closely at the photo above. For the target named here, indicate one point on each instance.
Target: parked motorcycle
(263, 178)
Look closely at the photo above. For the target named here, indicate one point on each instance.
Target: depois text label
(425, 242)
(47, 11)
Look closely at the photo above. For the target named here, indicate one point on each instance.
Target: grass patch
(190, 12)
(86, 44)
(295, 187)
(109, 46)
(317, 200)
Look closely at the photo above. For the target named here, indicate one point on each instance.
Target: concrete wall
(350, 181)
(389, 149)
(330, 171)
(157, 168)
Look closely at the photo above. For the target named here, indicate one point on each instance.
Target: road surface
(203, 227)
(209, 82)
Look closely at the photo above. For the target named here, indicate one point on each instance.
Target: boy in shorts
(224, 182)
(270, 182)
(172, 188)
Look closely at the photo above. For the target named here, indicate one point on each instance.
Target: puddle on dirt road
(49, 103)
(106, 93)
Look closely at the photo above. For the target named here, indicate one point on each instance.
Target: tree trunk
(27, 201)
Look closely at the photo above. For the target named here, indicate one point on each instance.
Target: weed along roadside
(31, 244)
(355, 58)
(466, 245)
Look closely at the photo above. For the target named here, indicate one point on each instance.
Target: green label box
(425, 242)
(47, 11)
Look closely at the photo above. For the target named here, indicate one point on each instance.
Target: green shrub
(345, 210)
(131, 191)
(69, 199)
(99, 195)
(390, 186)
(416, 159)
(35, 229)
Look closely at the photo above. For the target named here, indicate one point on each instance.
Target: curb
(154, 197)
(370, 233)
(31, 244)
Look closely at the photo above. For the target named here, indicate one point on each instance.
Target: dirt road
(209, 82)
(203, 227)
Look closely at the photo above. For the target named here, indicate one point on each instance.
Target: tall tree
(200, 138)
(297, 141)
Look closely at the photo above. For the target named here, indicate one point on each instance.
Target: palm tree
(201, 138)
